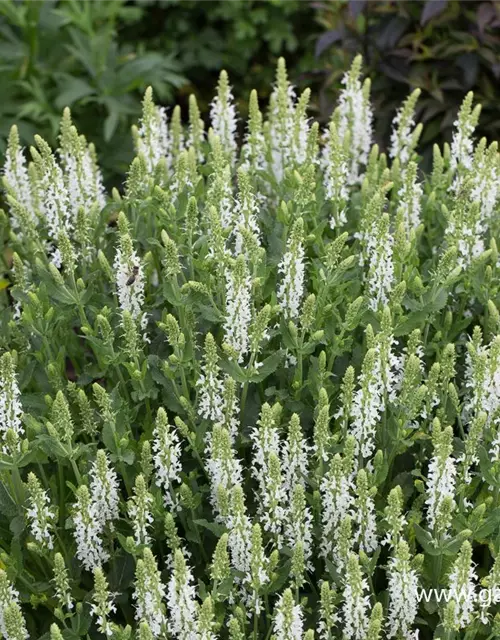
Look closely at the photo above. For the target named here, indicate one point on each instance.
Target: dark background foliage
(98, 57)
(444, 47)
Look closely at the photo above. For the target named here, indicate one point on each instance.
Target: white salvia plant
(462, 583)
(292, 269)
(356, 601)
(88, 531)
(238, 308)
(288, 618)
(405, 135)
(139, 510)
(223, 467)
(211, 401)
(149, 594)
(130, 281)
(167, 454)
(151, 138)
(281, 115)
(240, 528)
(11, 411)
(363, 514)
(40, 514)
(441, 480)
(181, 600)
(336, 177)
(53, 196)
(403, 593)
(16, 178)
(104, 489)
(81, 174)
(103, 604)
(223, 116)
(367, 405)
(462, 144)
(409, 198)
(337, 499)
(295, 454)
(353, 118)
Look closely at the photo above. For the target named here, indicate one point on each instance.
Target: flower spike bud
(353, 117)
(104, 489)
(210, 384)
(238, 307)
(440, 500)
(63, 593)
(403, 592)
(181, 600)
(196, 129)
(376, 622)
(462, 583)
(14, 623)
(11, 411)
(404, 136)
(88, 531)
(139, 511)
(102, 603)
(356, 601)
(223, 116)
(291, 288)
(462, 143)
(61, 418)
(167, 453)
(151, 138)
(253, 152)
(8, 595)
(220, 568)
(149, 594)
(40, 514)
(288, 618)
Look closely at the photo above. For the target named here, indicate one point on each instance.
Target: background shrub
(443, 47)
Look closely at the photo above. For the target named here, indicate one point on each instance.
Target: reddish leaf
(432, 8)
(327, 39)
(356, 7)
(485, 14)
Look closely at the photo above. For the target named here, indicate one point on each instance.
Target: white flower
(7, 595)
(181, 601)
(11, 410)
(39, 513)
(167, 453)
(152, 139)
(291, 288)
(355, 117)
(149, 594)
(88, 531)
(104, 489)
(288, 618)
(238, 308)
(222, 466)
(356, 601)
(129, 282)
(403, 594)
(223, 116)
